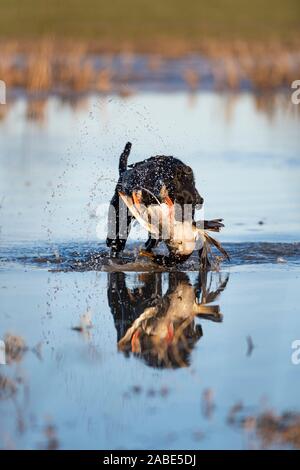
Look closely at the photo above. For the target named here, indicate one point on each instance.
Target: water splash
(86, 256)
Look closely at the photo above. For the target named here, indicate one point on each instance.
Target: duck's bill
(213, 225)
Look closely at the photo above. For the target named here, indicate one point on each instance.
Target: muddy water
(119, 356)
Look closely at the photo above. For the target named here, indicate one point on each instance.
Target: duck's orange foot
(147, 254)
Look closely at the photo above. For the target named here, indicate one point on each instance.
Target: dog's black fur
(151, 177)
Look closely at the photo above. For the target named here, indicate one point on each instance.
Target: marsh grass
(50, 66)
(268, 428)
(52, 46)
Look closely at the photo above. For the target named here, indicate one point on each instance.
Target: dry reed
(65, 67)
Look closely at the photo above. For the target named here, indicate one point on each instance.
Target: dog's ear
(185, 184)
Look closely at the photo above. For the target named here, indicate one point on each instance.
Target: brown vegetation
(64, 67)
(270, 428)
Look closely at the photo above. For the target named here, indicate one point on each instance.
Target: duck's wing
(139, 213)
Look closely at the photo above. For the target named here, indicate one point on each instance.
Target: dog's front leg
(119, 224)
(151, 243)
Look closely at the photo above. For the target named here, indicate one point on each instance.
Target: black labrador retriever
(162, 182)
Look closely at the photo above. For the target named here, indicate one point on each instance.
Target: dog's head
(184, 189)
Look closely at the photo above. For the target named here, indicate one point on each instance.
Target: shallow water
(58, 173)
(134, 357)
(89, 256)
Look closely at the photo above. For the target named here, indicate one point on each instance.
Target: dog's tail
(124, 158)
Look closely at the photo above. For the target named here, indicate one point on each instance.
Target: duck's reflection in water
(156, 315)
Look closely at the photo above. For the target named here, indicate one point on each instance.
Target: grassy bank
(146, 25)
(256, 41)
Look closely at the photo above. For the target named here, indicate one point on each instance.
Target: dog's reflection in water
(156, 316)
